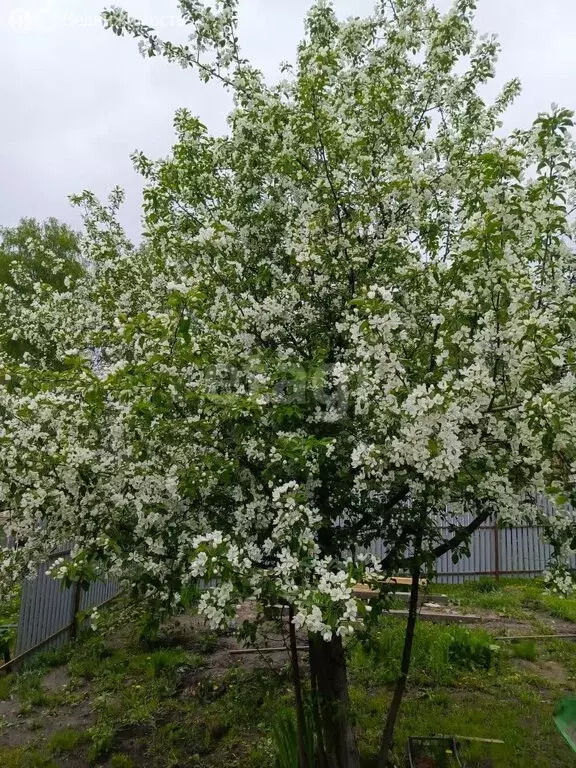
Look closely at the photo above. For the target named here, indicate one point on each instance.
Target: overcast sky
(76, 100)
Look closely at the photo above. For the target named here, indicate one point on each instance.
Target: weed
(439, 653)
(169, 660)
(102, 736)
(30, 692)
(86, 662)
(66, 740)
(50, 659)
(471, 650)
(5, 686)
(23, 757)
(284, 738)
(119, 760)
(525, 649)
(486, 585)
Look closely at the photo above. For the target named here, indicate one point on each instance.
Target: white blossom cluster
(355, 307)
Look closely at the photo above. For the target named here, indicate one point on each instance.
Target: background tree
(34, 257)
(355, 308)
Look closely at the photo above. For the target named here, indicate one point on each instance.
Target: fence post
(76, 592)
(496, 549)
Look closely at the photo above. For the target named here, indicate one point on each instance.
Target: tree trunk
(388, 734)
(320, 756)
(303, 757)
(328, 666)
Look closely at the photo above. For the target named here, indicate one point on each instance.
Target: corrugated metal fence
(517, 551)
(47, 610)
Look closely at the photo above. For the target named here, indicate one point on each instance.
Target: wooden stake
(534, 637)
(239, 651)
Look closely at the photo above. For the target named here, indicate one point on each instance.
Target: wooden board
(404, 581)
(365, 592)
(441, 617)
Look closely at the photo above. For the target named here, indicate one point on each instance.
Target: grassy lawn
(514, 598)
(185, 701)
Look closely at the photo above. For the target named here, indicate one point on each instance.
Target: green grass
(66, 740)
(525, 649)
(27, 684)
(24, 757)
(507, 704)
(162, 708)
(560, 607)
(524, 722)
(131, 686)
(119, 760)
(513, 598)
(440, 653)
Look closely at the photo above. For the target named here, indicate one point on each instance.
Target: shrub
(471, 650)
(65, 740)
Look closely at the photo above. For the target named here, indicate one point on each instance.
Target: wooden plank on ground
(367, 593)
(405, 581)
(441, 617)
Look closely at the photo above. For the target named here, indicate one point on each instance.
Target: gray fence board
(510, 551)
(47, 608)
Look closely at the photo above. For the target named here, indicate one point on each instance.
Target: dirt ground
(72, 704)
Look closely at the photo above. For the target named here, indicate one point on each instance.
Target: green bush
(471, 650)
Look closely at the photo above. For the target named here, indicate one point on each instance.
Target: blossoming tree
(356, 307)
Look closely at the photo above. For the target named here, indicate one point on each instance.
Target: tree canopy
(354, 308)
(36, 259)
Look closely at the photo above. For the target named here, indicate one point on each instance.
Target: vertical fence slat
(46, 608)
